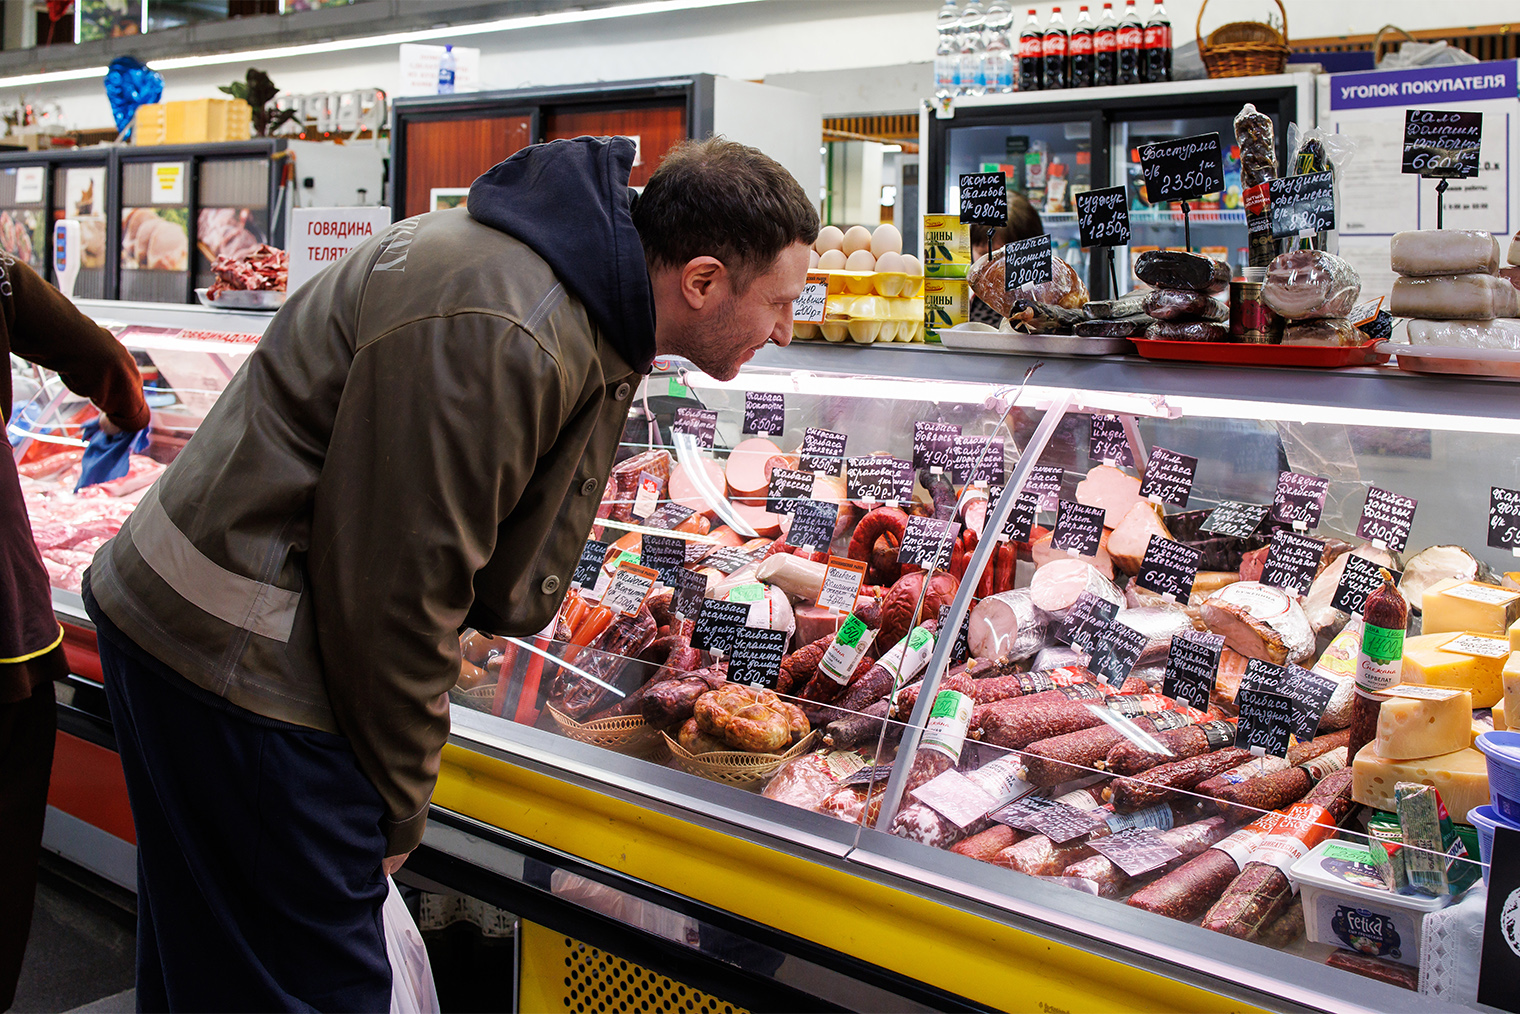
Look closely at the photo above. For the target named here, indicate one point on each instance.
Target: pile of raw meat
(68, 527)
(263, 268)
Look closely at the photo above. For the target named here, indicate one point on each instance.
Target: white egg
(830, 237)
(858, 238)
(831, 260)
(912, 265)
(890, 261)
(812, 259)
(886, 239)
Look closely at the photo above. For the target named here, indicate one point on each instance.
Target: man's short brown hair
(722, 199)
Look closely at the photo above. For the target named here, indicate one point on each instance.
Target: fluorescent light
(390, 39)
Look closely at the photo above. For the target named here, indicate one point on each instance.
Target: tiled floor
(81, 948)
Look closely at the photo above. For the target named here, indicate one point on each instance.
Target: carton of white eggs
(875, 290)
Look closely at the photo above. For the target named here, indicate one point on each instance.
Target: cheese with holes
(1454, 604)
(1466, 660)
(1460, 776)
(1409, 727)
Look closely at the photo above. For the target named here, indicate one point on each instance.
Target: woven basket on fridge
(1244, 48)
(1379, 42)
(735, 767)
(628, 734)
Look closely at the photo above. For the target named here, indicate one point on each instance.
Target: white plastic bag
(412, 989)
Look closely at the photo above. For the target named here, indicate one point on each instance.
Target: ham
(1056, 586)
(1113, 489)
(1324, 618)
(814, 622)
(1261, 622)
(1127, 542)
(745, 469)
(1252, 564)
(799, 578)
(1007, 624)
(696, 484)
(1041, 551)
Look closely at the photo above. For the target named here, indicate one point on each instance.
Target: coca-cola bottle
(1130, 39)
(1080, 50)
(1031, 55)
(1157, 42)
(1106, 48)
(1054, 45)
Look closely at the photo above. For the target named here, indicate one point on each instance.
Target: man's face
(729, 327)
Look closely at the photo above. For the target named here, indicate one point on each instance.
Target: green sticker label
(627, 557)
(1382, 644)
(1351, 855)
(850, 633)
(946, 704)
(917, 638)
(752, 592)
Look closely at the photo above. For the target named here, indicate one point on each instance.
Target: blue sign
(1423, 86)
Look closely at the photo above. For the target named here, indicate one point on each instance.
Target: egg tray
(867, 319)
(865, 283)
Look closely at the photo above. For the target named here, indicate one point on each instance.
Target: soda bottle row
(1122, 51)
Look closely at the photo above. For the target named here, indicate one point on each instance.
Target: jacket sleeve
(47, 329)
(438, 430)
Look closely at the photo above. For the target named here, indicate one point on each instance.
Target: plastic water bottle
(947, 55)
(971, 81)
(446, 65)
(997, 55)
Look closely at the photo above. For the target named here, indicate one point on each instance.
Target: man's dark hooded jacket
(418, 444)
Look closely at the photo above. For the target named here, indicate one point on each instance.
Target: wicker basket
(478, 698)
(1379, 42)
(735, 767)
(1243, 48)
(628, 734)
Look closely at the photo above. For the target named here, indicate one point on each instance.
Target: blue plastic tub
(1485, 820)
(1503, 752)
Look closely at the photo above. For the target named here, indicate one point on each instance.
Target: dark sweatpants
(258, 850)
(26, 762)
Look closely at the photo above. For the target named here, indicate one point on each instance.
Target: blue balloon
(129, 84)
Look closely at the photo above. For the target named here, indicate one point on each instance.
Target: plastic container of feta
(1346, 904)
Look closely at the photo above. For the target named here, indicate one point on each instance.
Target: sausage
(1189, 839)
(613, 649)
(799, 668)
(985, 844)
(944, 752)
(1017, 723)
(1256, 767)
(669, 703)
(1038, 856)
(1129, 758)
(1063, 758)
(851, 731)
(1287, 928)
(1274, 791)
(1186, 892)
(1253, 900)
(1184, 304)
(1374, 968)
(1384, 618)
(1161, 783)
(988, 689)
(1309, 749)
(888, 522)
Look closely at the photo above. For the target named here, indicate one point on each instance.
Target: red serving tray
(1245, 354)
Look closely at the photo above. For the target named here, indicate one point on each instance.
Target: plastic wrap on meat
(1336, 332)
(1189, 839)
(1160, 783)
(1188, 331)
(1174, 269)
(1131, 758)
(1124, 327)
(1453, 297)
(1308, 284)
(1038, 856)
(1184, 304)
(1258, 146)
(1444, 252)
(608, 658)
(1131, 304)
(804, 782)
(1503, 333)
(984, 845)
(1007, 624)
(986, 277)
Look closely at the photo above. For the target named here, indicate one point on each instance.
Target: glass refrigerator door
(23, 216)
(79, 192)
(154, 251)
(233, 211)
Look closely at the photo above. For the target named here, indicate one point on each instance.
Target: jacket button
(622, 392)
(551, 584)
(588, 487)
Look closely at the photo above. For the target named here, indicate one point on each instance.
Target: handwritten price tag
(1386, 519)
(701, 423)
(841, 584)
(1183, 168)
(984, 199)
(1302, 203)
(1442, 143)
(1027, 262)
(1103, 217)
(809, 306)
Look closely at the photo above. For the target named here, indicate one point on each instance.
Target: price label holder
(877, 478)
(629, 588)
(647, 497)
(589, 566)
(1063, 823)
(812, 524)
(1265, 722)
(977, 459)
(1292, 561)
(1299, 499)
(663, 555)
(1235, 519)
(1386, 519)
(1302, 204)
(1021, 517)
(1103, 220)
(956, 798)
(868, 775)
(1168, 477)
(719, 624)
(1119, 648)
(808, 307)
(1192, 667)
(748, 593)
(1107, 442)
(764, 413)
(1079, 529)
(701, 423)
(668, 516)
(1310, 695)
(1020, 813)
(1478, 646)
(1136, 850)
(1504, 519)
(730, 558)
(934, 444)
(822, 451)
(1027, 262)
(1361, 578)
(1442, 144)
(756, 657)
(1045, 482)
(841, 584)
(1085, 622)
(927, 542)
(787, 486)
(1181, 169)
(961, 649)
(690, 596)
(984, 199)
(1169, 568)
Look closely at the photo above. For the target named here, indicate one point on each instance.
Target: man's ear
(700, 279)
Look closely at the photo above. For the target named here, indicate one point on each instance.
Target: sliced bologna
(745, 469)
(1113, 489)
(684, 488)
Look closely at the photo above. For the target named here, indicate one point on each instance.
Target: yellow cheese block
(1460, 776)
(1501, 720)
(1409, 728)
(1465, 660)
(1514, 636)
(1453, 604)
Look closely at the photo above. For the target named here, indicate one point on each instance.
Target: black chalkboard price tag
(812, 524)
(984, 199)
(663, 554)
(1045, 483)
(787, 486)
(927, 542)
(977, 459)
(589, 566)
(1235, 519)
(1078, 528)
(756, 657)
(1119, 648)
(934, 444)
(1086, 620)
(1362, 578)
(668, 515)
(1302, 203)
(877, 478)
(1442, 143)
(1504, 518)
(1310, 695)
(822, 451)
(764, 413)
(1027, 262)
(1263, 675)
(1265, 722)
(1103, 217)
(1168, 477)
(1299, 499)
(1192, 666)
(1021, 517)
(1386, 519)
(961, 650)
(1107, 441)
(701, 423)
(690, 595)
(719, 624)
(1292, 561)
(1169, 568)
(1183, 168)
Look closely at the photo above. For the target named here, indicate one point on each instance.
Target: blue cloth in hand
(107, 456)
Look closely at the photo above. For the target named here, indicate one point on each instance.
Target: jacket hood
(569, 202)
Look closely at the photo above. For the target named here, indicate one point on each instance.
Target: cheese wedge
(1501, 721)
(1514, 636)
(1460, 776)
(1467, 661)
(1409, 727)
(1454, 604)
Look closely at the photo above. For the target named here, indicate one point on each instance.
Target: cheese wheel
(1452, 604)
(1464, 660)
(745, 469)
(684, 489)
(1461, 776)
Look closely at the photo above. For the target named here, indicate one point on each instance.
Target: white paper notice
(29, 184)
(168, 186)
